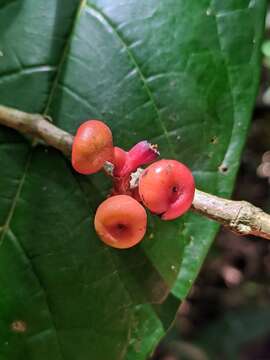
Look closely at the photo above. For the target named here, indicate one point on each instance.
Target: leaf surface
(180, 74)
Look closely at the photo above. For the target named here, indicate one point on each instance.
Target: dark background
(227, 313)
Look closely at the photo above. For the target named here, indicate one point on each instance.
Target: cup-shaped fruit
(167, 188)
(120, 221)
(92, 146)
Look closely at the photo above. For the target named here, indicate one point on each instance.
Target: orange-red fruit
(167, 188)
(92, 146)
(120, 221)
(119, 160)
(125, 162)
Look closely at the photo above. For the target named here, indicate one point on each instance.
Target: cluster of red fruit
(166, 187)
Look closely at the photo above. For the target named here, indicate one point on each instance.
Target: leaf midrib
(62, 59)
(95, 11)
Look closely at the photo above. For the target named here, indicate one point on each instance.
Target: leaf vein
(40, 284)
(27, 71)
(62, 60)
(6, 225)
(94, 11)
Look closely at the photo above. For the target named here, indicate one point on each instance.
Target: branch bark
(240, 217)
(38, 126)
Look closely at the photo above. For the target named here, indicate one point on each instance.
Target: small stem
(240, 217)
(38, 126)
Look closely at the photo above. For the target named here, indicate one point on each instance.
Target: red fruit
(120, 221)
(92, 146)
(140, 154)
(167, 188)
(125, 162)
(119, 160)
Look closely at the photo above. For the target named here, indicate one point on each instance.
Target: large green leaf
(182, 74)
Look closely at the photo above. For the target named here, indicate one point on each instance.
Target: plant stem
(240, 217)
(38, 126)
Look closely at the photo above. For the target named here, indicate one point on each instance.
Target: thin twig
(38, 126)
(241, 217)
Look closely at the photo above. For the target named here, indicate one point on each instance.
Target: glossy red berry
(167, 188)
(120, 221)
(92, 146)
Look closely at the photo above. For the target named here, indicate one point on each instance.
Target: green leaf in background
(182, 74)
(266, 48)
(229, 334)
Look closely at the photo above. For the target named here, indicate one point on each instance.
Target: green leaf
(181, 74)
(266, 48)
(228, 334)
